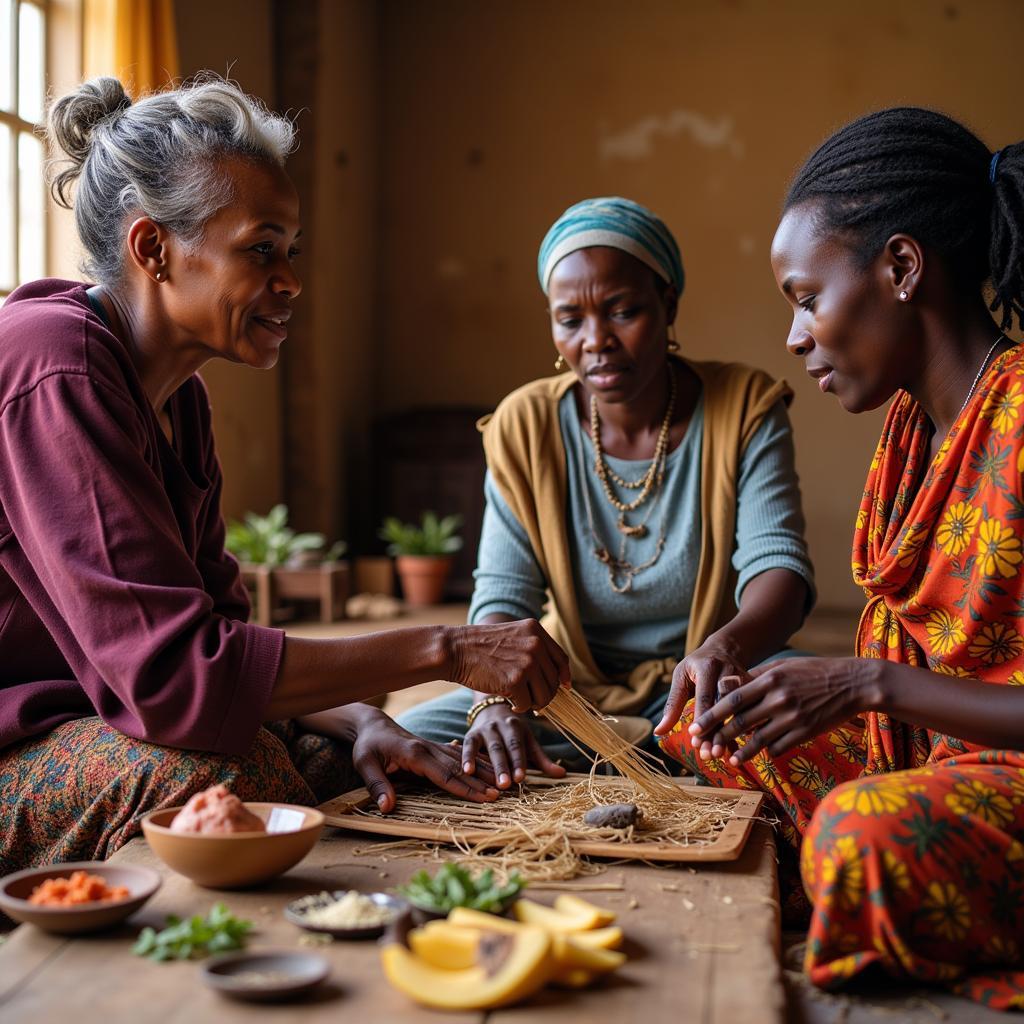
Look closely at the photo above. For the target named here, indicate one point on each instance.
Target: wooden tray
(356, 812)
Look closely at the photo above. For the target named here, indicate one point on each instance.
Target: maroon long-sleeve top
(117, 598)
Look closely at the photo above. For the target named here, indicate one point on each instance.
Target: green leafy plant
(434, 535)
(218, 932)
(268, 540)
(454, 886)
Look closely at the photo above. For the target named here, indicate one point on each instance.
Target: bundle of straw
(584, 726)
(534, 833)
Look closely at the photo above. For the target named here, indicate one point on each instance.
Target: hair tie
(993, 165)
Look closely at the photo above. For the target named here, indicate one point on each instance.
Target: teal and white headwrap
(618, 224)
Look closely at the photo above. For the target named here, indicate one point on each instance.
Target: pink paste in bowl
(216, 811)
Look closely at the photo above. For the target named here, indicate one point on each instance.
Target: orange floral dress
(911, 841)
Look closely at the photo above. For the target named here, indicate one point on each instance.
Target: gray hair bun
(73, 120)
(161, 157)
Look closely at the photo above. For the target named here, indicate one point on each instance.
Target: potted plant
(423, 554)
(280, 563)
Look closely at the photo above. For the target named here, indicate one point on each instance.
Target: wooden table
(702, 942)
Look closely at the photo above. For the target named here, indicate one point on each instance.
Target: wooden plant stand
(327, 583)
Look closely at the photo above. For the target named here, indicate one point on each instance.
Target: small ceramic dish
(236, 859)
(265, 977)
(15, 890)
(297, 912)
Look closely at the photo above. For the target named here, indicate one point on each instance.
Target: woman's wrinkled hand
(505, 737)
(787, 702)
(382, 747)
(517, 660)
(700, 675)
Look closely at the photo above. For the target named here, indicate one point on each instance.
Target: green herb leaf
(454, 886)
(218, 932)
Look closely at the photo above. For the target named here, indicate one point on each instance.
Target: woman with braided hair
(902, 769)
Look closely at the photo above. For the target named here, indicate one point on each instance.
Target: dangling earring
(561, 364)
(673, 345)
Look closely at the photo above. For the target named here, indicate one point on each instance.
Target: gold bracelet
(479, 706)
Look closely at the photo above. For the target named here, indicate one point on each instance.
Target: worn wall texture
(449, 133)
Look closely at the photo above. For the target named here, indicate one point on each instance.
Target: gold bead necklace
(652, 477)
(621, 571)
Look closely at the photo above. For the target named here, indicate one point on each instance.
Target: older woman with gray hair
(129, 675)
(645, 504)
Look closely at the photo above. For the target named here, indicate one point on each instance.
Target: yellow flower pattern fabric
(1003, 407)
(952, 602)
(945, 631)
(911, 842)
(999, 551)
(956, 529)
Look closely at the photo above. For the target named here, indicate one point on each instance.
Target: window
(23, 204)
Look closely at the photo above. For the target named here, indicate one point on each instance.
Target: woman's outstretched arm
(788, 702)
(517, 660)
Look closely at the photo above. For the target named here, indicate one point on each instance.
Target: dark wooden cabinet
(433, 459)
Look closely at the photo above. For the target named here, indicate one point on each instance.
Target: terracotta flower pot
(423, 577)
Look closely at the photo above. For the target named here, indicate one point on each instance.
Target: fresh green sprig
(454, 886)
(197, 936)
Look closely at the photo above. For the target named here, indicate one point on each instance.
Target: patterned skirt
(916, 873)
(79, 792)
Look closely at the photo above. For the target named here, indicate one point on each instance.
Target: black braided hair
(917, 172)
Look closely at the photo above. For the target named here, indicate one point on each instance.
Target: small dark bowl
(15, 890)
(398, 907)
(289, 974)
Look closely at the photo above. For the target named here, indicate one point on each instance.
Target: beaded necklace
(652, 477)
(621, 571)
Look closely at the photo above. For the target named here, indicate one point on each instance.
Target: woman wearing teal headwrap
(613, 223)
(638, 497)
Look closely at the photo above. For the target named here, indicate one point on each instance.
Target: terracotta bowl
(237, 859)
(15, 890)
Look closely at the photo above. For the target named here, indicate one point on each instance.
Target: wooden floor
(875, 1004)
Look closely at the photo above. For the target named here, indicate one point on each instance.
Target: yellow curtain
(134, 40)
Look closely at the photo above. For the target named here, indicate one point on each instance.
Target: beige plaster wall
(497, 116)
(446, 135)
(344, 251)
(234, 36)
(318, 399)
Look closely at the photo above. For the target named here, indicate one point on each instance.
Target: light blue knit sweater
(650, 621)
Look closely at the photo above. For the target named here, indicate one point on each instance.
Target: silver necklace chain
(981, 371)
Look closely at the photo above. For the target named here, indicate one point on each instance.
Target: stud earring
(673, 345)
(561, 364)
(904, 295)
(160, 275)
